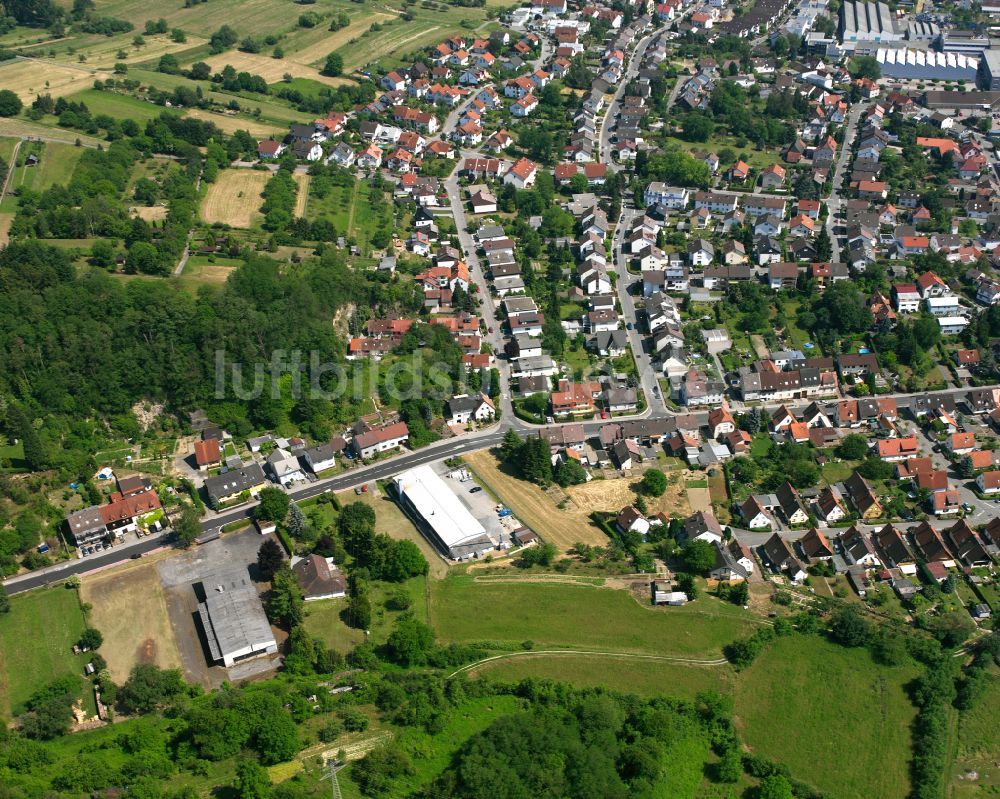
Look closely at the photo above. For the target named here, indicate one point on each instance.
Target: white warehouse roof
(926, 58)
(439, 507)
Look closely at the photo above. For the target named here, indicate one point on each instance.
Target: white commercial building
(926, 64)
(440, 514)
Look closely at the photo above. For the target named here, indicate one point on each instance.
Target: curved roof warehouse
(440, 514)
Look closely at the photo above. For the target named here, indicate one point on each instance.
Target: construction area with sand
(234, 199)
(562, 516)
(129, 609)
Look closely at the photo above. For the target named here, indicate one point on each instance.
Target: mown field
(36, 644)
(234, 199)
(834, 717)
(30, 77)
(578, 616)
(978, 748)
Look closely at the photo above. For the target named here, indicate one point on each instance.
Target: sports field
(580, 617)
(834, 717)
(36, 644)
(234, 199)
(130, 611)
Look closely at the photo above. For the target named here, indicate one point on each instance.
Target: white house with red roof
(522, 174)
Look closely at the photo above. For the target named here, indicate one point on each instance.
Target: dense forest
(78, 345)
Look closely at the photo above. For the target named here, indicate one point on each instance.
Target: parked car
(475, 489)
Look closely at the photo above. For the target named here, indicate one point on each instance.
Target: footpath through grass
(36, 644)
(578, 616)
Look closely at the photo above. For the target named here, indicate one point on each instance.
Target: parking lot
(479, 503)
(179, 575)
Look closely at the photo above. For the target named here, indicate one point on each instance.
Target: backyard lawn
(36, 644)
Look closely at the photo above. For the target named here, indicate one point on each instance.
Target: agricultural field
(120, 106)
(29, 77)
(612, 495)
(25, 128)
(36, 644)
(101, 53)
(791, 706)
(641, 677)
(234, 199)
(568, 616)
(388, 45)
(247, 16)
(314, 52)
(230, 123)
(270, 69)
(131, 637)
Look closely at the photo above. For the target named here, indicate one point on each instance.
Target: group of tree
(529, 458)
(382, 557)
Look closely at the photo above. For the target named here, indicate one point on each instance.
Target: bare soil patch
(561, 527)
(130, 611)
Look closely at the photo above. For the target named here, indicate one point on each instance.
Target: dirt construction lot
(535, 508)
(566, 526)
(613, 495)
(131, 612)
(234, 198)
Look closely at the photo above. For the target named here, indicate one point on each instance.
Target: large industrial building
(440, 514)
(989, 71)
(910, 64)
(236, 626)
(866, 22)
